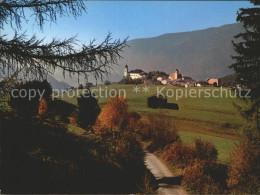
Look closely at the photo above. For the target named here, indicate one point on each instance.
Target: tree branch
(35, 56)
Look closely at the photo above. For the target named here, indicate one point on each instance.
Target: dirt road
(168, 184)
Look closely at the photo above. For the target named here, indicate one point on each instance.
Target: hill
(199, 54)
(57, 84)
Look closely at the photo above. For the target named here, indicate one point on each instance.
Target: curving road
(168, 184)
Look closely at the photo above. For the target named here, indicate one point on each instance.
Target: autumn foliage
(129, 149)
(244, 168)
(42, 107)
(112, 116)
(161, 131)
(201, 173)
(179, 154)
(73, 118)
(199, 178)
(182, 154)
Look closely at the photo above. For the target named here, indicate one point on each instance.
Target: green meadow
(200, 114)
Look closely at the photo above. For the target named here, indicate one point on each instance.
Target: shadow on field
(172, 106)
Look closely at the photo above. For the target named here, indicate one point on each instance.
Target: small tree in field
(111, 116)
(42, 107)
(88, 110)
(80, 86)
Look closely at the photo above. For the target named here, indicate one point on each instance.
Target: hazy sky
(140, 19)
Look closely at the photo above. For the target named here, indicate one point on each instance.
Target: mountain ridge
(199, 54)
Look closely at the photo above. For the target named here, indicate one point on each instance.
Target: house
(164, 82)
(159, 79)
(135, 74)
(213, 82)
(175, 75)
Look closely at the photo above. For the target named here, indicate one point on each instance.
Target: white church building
(134, 74)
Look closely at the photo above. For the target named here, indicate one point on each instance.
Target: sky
(139, 19)
(136, 19)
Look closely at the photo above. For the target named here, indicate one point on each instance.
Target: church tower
(176, 74)
(126, 71)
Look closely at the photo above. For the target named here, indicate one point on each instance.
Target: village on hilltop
(139, 76)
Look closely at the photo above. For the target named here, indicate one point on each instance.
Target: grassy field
(218, 112)
(211, 118)
(223, 145)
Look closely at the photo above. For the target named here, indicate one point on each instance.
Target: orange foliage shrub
(198, 178)
(132, 120)
(183, 154)
(142, 128)
(129, 148)
(73, 118)
(111, 116)
(244, 168)
(42, 107)
(162, 132)
(179, 153)
(201, 173)
(205, 150)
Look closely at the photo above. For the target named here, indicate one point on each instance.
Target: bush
(143, 130)
(42, 107)
(88, 110)
(129, 149)
(137, 81)
(107, 82)
(162, 132)
(184, 155)
(74, 118)
(80, 86)
(198, 178)
(201, 172)
(111, 116)
(28, 106)
(130, 121)
(244, 168)
(204, 150)
(179, 154)
(61, 109)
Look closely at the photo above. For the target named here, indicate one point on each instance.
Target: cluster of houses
(174, 79)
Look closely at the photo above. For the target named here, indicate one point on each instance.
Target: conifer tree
(88, 109)
(247, 62)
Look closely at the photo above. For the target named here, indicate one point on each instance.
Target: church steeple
(176, 74)
(126, 71)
